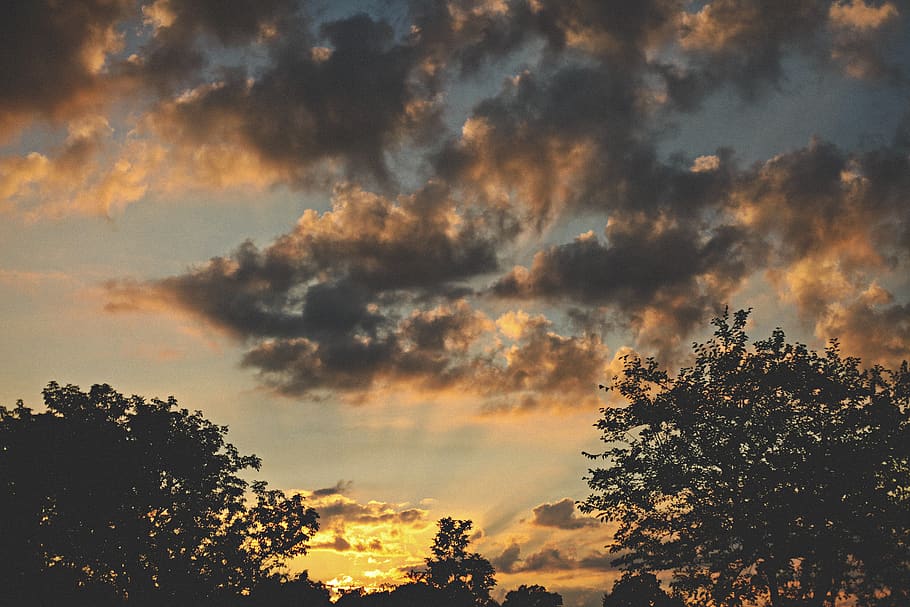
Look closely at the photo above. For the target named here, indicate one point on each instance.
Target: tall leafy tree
(766, 473)
(119, 498)
(464, 576)
(532, 596)
(642, 590)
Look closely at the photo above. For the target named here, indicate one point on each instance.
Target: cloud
(75, 178)
(506, 561)
(562, 515)
(341, 488)
(871, 325)
(613, 29)
(540, 142)
(383, 293)
(647, 267)
(348, 511)
(375, 529)
(326, 275)
(338, 544)
(427, 349)
(744, 42)
(549, 559)
(862, 35)
(541, 368)
(829, 220)
(636, 263)
(368, 296)
(312, 107)
(858, 15)
(184, 33)
(53, 57)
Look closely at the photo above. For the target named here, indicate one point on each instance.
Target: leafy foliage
(642, 590)
(120, 498)
(532, 596)
(774, 472)
(453, 569)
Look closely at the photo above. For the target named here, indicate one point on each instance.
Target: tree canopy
(532, 596)
(455, 570)
(109, 498)
(639, 590)
(771, 472)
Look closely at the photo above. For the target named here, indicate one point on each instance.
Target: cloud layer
(444, 264)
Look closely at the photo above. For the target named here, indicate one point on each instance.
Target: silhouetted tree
(774, 472)
(532, 596)
(414, 594)
(466, 577)
(282, 591)
(641, 590)
(109, 498)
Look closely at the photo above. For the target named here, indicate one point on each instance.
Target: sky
(395, 246)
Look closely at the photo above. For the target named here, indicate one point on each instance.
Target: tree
(641, 590)
(119, 498)
(286, 591)
(465, 576)
(532, 596)
(771, 473)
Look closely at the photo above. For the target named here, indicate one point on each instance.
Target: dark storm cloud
(549, 559)
(616, 29)
(545, 138)
(580, 138)
(865, 37)
(631, 268)
(346, 511)
(562, 515)
(427, 349)
(506, 561)
(467, 34)
(183, 29)
(326, 276)
(644, 266)
(350, 101)
(338, 544)
(744, 42)
(231, 22)
(52, 54)
(340, 488)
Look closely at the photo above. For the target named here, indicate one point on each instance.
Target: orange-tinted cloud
(861, 34)
(79, 177)
(562, 515)
(54, 58)
(871, 325)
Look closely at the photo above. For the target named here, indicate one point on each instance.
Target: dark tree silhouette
(532, 596)
(108, 498)
(642, 590)
(772, 472)
(464, 576)
(414, 594)
(283, 591)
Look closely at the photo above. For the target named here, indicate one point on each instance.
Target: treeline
(111, 500)
(762, 474)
